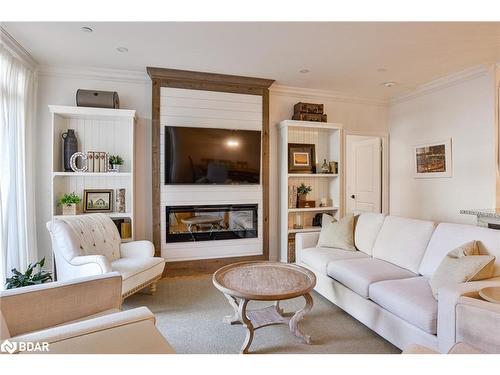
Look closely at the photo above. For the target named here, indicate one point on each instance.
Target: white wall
(58, 86)
(462, 109)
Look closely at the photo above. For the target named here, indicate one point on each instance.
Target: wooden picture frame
(433, 160)
(89, 195)
(301, 158)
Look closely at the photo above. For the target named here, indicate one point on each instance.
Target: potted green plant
(69, 203)
(115, 161)
(18, 279)
(302, 192)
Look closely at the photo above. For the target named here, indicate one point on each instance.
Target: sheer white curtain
(17, 204)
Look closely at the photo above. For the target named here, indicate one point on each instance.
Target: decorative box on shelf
(307, 108)
(316, 117)
(307, 204)
(309, 112)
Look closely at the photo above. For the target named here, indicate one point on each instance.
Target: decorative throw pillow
(462, 265)
(337, 234)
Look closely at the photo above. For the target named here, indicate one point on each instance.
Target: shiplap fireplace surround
(206, 100)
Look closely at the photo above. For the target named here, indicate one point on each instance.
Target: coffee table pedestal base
(272, 315)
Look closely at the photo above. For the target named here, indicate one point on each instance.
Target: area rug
(189, 312)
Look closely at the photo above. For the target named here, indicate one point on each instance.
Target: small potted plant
(302, 192)
(69, 202)
(18, 279)
(115, 161)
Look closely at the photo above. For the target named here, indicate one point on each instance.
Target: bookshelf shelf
(96, 130)
(327, 139)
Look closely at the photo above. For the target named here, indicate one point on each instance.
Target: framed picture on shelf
(301, 158)
(433, 159)
(98, 200)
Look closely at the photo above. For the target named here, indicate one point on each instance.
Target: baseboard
(204, 266)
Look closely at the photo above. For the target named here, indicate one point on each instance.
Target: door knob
(353, 196)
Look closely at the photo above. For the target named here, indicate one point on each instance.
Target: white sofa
(86, 245)
(385, 283)
(80, 316)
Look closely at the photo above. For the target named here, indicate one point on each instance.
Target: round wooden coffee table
(264, 281)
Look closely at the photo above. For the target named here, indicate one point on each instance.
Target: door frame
(385, 164)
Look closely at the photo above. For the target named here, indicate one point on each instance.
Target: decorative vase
(69, 148)
(301, 198)
(115, 168)
(69, 209)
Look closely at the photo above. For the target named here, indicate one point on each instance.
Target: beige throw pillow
(462, 265)
(337, 234)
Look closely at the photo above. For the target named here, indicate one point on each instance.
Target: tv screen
(211, 156)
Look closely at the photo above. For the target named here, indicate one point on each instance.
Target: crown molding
(308, 93)
(445, 82)
(205, 77)
(15, 48)
(101, 74)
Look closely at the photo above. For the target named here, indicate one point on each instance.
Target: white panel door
(363, 174)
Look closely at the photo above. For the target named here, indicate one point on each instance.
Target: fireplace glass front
(211, 222)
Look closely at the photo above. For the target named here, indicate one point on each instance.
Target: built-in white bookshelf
(97, 129)
(327, 138)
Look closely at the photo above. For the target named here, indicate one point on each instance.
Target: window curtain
(17, 198)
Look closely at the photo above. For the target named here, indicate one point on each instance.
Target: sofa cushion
(403, 241)
(140, 337)
(129, 267)
(137, 271)
(358, 274)
(448, 236)
(367, 230)
(337, 234)
(410, 299)
(319, 257)
(462, 265)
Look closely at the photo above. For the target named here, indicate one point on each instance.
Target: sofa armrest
(137, 249)
(478, 324)
(447, 302)
(96, 264)
(41, 306)
(306, 240)
(71, 330)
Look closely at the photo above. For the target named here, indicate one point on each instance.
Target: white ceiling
(343, 57)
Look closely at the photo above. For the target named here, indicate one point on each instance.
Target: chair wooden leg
(152, 288)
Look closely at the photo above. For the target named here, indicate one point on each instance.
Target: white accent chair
(79, 316)
(86, 245)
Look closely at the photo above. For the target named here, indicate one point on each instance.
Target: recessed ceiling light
(304, 71)
(389, 84)
(122, 49)
(87, 29)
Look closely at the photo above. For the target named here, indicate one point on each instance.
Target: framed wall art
(301, 158)
(98, 200)
(433, 159)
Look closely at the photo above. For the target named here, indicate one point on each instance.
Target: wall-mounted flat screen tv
(212, 156)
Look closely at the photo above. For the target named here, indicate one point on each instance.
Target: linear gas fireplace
(211, 222)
